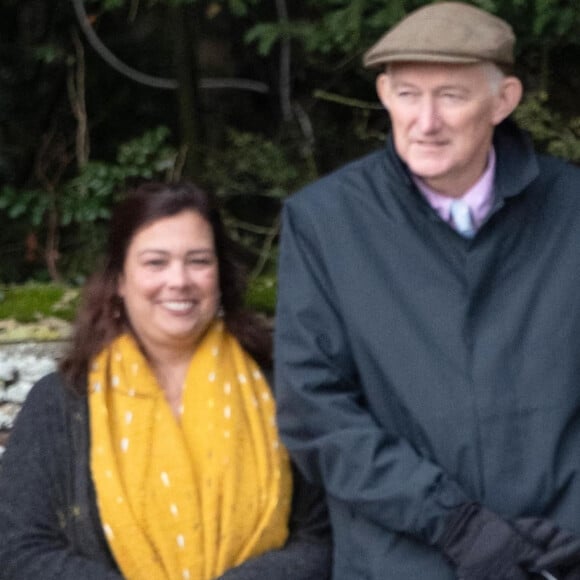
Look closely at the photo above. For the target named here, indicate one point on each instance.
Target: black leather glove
(483, 546)
(561, 549)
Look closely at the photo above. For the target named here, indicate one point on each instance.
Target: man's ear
(383, 84)
(508, 98)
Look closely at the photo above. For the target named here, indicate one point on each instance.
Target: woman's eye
(155, 263)
(200, 261)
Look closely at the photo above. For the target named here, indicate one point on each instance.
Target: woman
(154, 453)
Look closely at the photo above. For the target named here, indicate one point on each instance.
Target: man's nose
(429, 119)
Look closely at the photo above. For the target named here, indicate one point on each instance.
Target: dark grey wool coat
(49, 523)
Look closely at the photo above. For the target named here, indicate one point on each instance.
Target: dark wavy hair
(101, 316)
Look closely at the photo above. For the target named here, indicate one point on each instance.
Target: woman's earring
(117, 308)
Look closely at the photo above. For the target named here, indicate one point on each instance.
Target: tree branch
(149, 80)
(285, 55)
(76, 93)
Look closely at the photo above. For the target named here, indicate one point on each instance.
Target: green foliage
(550, 130)
(236, 7)
(85, 200)
(148, 155)
(251, 172)
(266, 34)
(252, 164)
(554, 18)
(261, 294)
(330, 27)
(241, 7)
(112, 4)
(88, 196)
(48, 53)
(340, 28)
(30, 202)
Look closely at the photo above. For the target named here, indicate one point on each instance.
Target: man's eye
(452, 96)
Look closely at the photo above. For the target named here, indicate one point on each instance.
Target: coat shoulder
(345, 180)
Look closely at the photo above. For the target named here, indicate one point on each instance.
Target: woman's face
(170, 281)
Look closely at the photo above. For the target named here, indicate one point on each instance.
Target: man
(428, 355)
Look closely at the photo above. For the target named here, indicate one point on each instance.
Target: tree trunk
(185, 26)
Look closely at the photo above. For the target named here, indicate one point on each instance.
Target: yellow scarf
(187, 499)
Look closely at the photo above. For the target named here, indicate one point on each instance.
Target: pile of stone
(21, 365)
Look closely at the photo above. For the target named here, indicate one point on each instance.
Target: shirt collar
(479, 197)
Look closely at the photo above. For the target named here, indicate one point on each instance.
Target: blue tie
(462, 220)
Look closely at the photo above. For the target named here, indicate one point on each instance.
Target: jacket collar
(516, 164)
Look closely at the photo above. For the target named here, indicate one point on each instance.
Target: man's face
(443, 116)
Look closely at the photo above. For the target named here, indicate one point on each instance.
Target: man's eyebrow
(455, 87)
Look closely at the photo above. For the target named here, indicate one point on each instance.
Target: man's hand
(560, 548)
(483, 546)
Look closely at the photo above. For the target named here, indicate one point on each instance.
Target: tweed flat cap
(446, 32)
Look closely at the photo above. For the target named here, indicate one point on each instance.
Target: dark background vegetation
(74, 131)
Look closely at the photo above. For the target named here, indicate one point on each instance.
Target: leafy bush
(251, 176)
(261, 295)
(551, 131)
(79, 207)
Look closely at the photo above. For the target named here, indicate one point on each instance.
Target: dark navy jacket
(416, 369)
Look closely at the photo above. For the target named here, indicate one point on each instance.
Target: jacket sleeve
(33, 504)
(307, 553)
(323, 418)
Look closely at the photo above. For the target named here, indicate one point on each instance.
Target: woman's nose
(177, 274)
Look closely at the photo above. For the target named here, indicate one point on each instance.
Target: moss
(35, 302)
(30, 303)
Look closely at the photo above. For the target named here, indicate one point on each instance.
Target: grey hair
(494, 74)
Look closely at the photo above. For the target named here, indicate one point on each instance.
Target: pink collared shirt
(479, 197)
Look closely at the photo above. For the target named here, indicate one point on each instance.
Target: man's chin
(426, 171)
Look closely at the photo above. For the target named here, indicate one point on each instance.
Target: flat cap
(445, 32)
